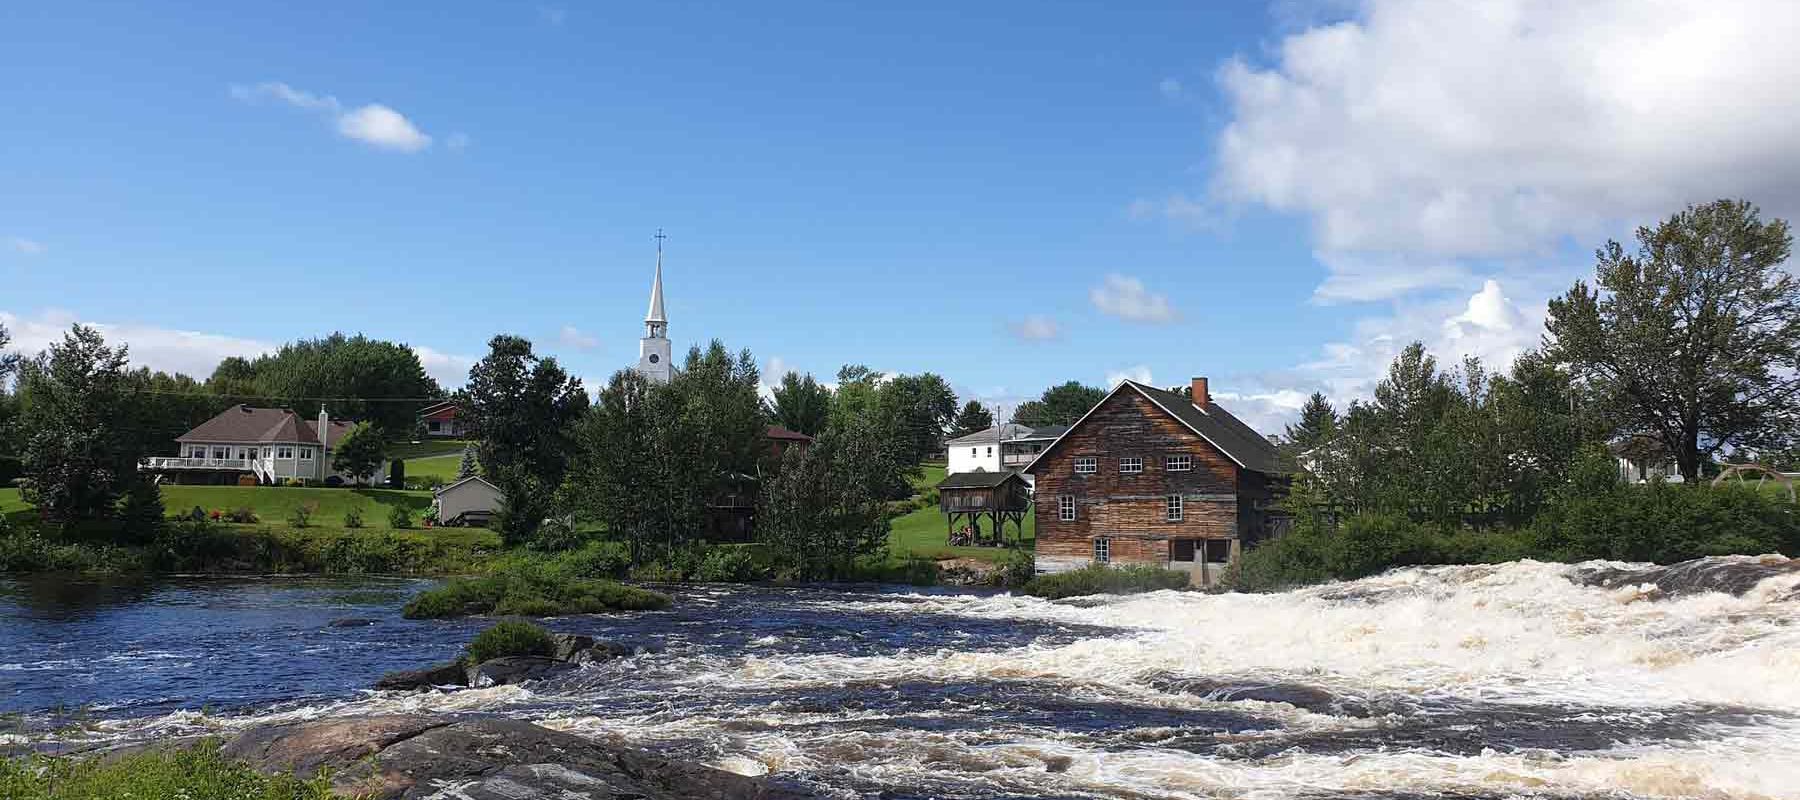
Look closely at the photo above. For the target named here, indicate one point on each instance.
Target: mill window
(1172, 508)
(1103, 550)
(1131, 465)
(1086, 465)
(1178, 463)
(1065, 508)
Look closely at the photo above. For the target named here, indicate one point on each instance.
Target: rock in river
(443, 758)
(446, 674)
(514, 669)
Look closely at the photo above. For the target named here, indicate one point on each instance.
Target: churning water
(1522, 679)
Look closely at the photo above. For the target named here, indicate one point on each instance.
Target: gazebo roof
(977, 480)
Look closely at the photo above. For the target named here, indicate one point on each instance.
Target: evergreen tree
(469, 466)
(801, 404)
(82, 441)
(143, 516)
(973, 418)
(1695, 337)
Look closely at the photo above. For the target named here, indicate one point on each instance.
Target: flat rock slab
(514, 669)
(447, 674)
(440, 758)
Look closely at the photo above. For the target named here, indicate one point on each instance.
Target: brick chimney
(1201, 395)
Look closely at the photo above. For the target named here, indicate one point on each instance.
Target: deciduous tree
(801, 404)
(1694, 338)
(360, 453)
(1059, 405)
(522, 408)
(82, 446)
(973, 417)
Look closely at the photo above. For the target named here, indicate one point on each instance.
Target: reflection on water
(1491, 681)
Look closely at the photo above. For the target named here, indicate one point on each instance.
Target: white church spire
(654, 350)
(656, 301)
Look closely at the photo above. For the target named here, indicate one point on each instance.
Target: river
(1521, 679)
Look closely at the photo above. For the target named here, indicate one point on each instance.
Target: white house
(267, 445)
(1003, 447)
(471, 500)
(1642, 459)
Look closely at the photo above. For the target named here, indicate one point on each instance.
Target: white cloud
(194, 353)
(1139, 373)
(24, 246)
(1169, 88)
(571, 336)
(169, 350)
(1481, 129)
(374, 123)
(1268, 412)
(1126, 297)
(1036, 328)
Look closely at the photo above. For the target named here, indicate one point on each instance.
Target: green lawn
(929, 475)
(274, 504)
(923, 533)
(425, 449)
(443, 468)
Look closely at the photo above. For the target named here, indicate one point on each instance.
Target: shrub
(243, 515)
(194, 773)
(727, 565)
(399, 518)
(143, 515)
(301, 516)
(1102, 579)
(353, 517)
(510, 638)
(1018, 568)
(530, 586)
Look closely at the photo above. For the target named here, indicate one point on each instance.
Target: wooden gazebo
(999, 496)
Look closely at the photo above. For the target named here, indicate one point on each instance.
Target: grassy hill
(442, 468)
(274, 504)
(425, 449)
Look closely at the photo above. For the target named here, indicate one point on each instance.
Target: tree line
(1687, 347)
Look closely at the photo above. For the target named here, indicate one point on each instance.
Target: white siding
(475, 495)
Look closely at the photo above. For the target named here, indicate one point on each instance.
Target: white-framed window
(1086, 465)
(1131, 465)
(1103, 550)
(197, 451)
(1178, 463)
(974, 451)
(284, 452)
(221, 453)
(1172, 508)
(990, 451)
(1065, 508)
(305, 454)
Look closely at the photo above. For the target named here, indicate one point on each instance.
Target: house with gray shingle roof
(267, 445)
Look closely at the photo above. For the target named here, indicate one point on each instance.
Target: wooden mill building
(1149, 476)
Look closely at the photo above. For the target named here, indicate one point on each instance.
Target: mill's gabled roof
(1238, 441)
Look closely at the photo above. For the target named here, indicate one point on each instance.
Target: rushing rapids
(1529, 679)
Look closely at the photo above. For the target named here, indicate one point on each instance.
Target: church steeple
(654, 349)
(656, 319)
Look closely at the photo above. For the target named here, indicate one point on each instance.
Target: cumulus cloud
(374, 124)
(1481, 129)
(194, 353)
(383, 127)
(24, 246)
(571, 336)
(1036, 328)
(1139, 373)
(1126, 297)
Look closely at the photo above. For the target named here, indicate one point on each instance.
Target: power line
(291, 398)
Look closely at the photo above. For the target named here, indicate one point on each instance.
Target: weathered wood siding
(1131, 508)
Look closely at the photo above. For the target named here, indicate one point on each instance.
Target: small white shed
(471, 500)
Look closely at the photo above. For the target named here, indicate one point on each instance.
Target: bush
(1102, 579)
(727, 565)
(399, 518)
(301, 516)
(353, 517)
(243, 515)
(142, 516)
(1018, 568)
(510, 638)
(531, 586)
(194, 773)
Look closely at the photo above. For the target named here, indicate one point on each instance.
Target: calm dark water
(1518, 680)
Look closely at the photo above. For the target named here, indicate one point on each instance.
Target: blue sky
(1011, 195)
